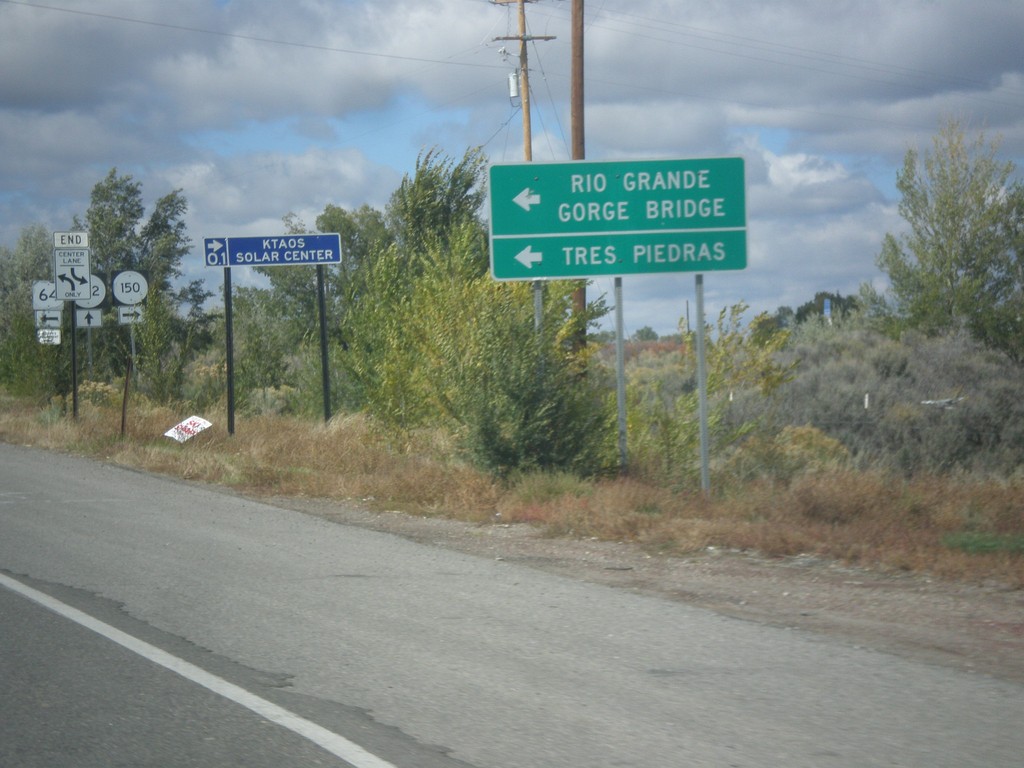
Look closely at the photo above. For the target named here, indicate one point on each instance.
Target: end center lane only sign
(587, 219)
(273, 251)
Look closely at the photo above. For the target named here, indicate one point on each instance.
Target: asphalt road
(413, 655)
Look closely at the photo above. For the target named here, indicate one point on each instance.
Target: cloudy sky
(258, 108)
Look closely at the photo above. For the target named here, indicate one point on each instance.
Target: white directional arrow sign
(526, 198)
(88, 318)
(48, 318)
(128, 314)
(213, 255)
(71, 273)
(528, 257)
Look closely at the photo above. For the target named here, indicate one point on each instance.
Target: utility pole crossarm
(524, 70)
(525, 38)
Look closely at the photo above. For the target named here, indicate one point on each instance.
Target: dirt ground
(979, 629)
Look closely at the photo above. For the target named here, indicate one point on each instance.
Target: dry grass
(965, 529)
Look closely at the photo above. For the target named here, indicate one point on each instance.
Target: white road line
(328, 740)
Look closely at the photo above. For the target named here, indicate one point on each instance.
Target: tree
(364, 234)
(645, 334)
(960, 263)
(839, 306)
(435, 202)
(26, 366)
(1001, 326)
(432, 340)
(115, 211)
(433, 226)
(121, 239)
(281, 358)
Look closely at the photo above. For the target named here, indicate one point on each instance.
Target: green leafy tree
(364, 234)
(440, 198)
(26, 366)
(645, 334)
(434, 341)
(440, 202)
(279, 365)
(458, 350)
(122, 238)
(840, 306)
(960, 263)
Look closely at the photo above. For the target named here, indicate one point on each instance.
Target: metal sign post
(298, 250)
(72, 280)
(702, 390)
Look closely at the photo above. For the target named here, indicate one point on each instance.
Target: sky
(255, 109)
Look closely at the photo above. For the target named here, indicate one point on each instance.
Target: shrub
(934, 404)
(781, 457)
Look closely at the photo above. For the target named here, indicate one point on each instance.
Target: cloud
(255, 109)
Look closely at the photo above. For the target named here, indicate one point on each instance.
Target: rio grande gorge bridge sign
(587, 219)
(579, 220)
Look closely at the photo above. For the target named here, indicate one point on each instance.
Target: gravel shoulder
(978, 629)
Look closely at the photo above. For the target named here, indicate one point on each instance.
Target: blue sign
(273, 251)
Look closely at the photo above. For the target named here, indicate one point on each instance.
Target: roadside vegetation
(888, 434)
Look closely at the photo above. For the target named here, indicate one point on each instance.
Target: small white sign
(129, 315)
(88, 318)
(97, 293)
(44, 295)
(48, 318)
(130, 287)
(187, 429)
(70, 239)
(48, 336)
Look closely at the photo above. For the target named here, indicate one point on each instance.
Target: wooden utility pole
(524, 95)
(524, 71)
(579, 152)
(576, 90)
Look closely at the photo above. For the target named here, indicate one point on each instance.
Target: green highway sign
(586, 219)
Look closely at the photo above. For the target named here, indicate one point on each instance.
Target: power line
(727, 45)
(551, 99)
(250, 38)
(624, 23)
(804, 53)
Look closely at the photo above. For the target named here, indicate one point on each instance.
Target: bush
(934, 404)
(662, 410)
(783, 456)
(525, 405)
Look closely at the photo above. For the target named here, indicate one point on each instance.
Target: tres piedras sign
(587, 219)
(273, 251)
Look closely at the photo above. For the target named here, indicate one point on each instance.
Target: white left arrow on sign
(526, 199)
(528, 257)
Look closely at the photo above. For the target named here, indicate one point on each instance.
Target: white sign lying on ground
(187, 429)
